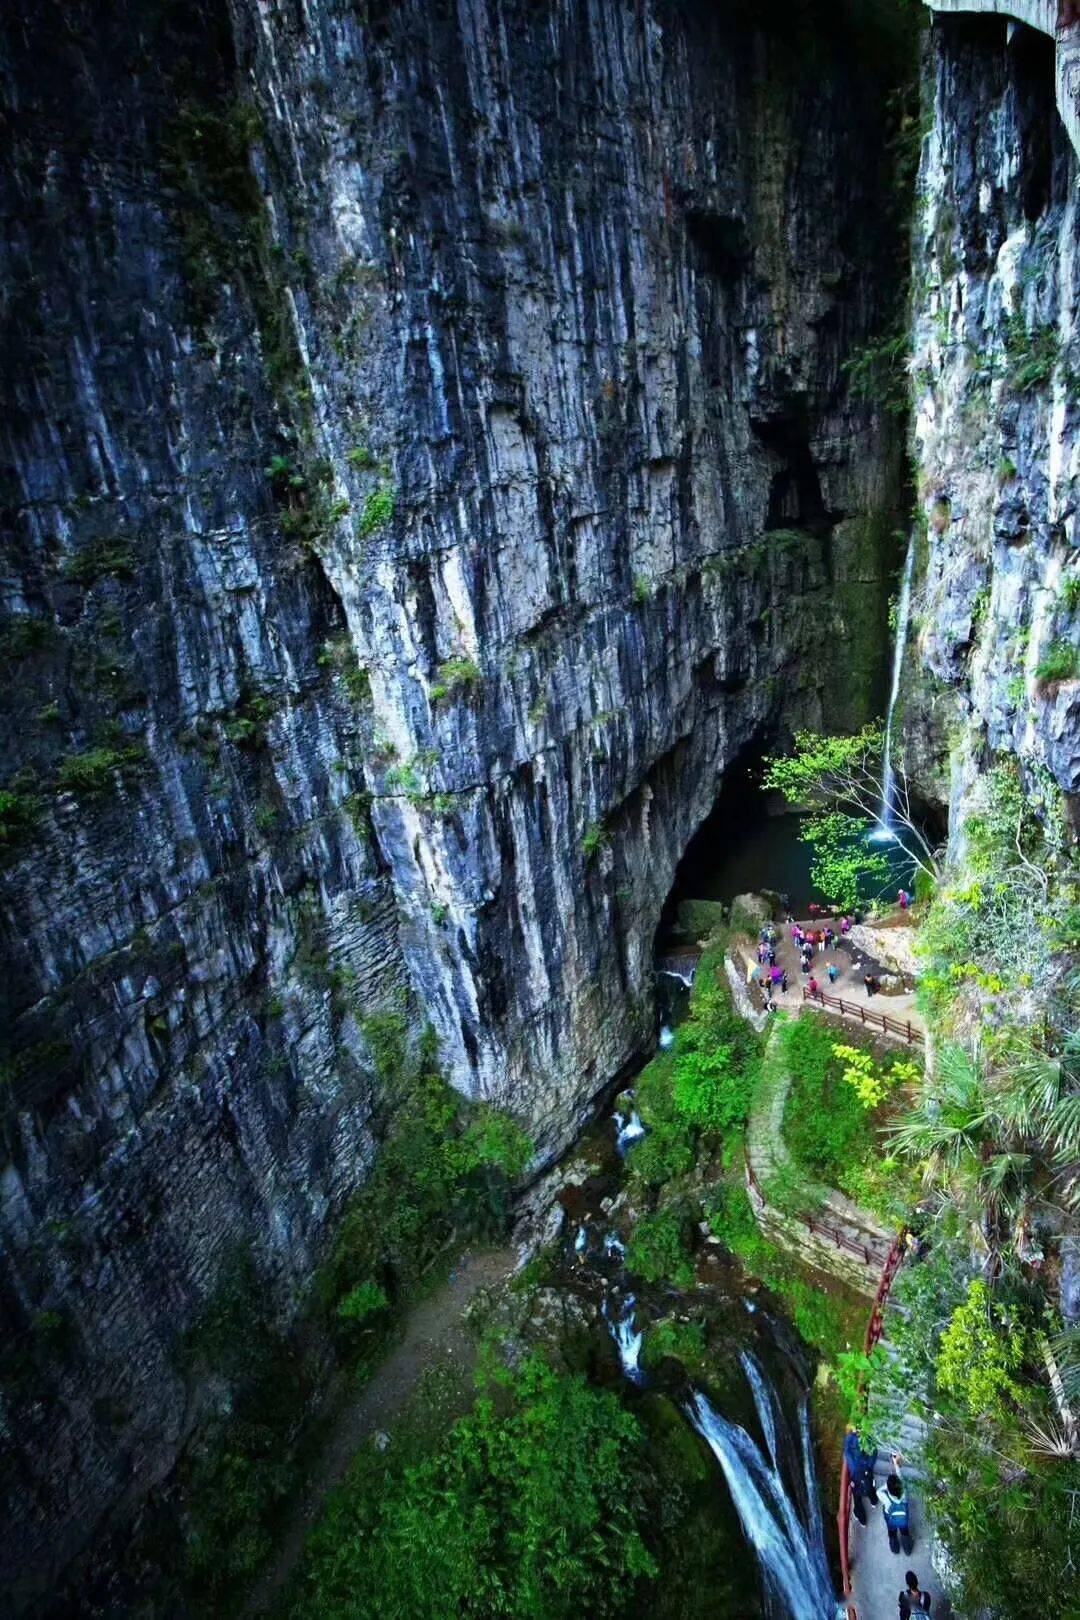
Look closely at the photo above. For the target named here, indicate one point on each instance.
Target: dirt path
(435, 1331)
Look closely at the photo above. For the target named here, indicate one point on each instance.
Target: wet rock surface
(427, 462)
(997, 633)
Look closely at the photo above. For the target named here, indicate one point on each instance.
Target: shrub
(659, 1249)
(525, 1507)
(824, 1120)
(360, 456)
(595, 838)
(682, 1341)
(378, 511)
(96, 770)
(717, 1061)
(1061, 662)
(1032, 356)
(642, 589)
(100, 559)
(1070, 593)
(456, 675)
(18, 816)
(367, 1299)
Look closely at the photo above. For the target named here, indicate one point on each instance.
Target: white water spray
(629, 1341)
(791, 1553)
(884, 831)
(628, 1130)
(667, 1037)
(685, 979)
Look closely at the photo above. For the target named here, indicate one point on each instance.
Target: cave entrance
(749, 841)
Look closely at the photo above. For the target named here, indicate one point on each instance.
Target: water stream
(884, 830)
(771, 1481)
(782, 1523)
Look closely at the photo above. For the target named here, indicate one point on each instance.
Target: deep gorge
(432, 456)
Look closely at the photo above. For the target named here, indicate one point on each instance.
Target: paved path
(435, 1331)
(877, 1575)
(849, 984)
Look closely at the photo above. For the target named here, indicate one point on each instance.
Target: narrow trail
(434, 1332)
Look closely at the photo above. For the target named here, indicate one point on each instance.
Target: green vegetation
(642, 589)
(660, 1247)
(101, 558)
(441, 1179)
(878, 372)
(839, 780)
(97, 770)
(526, 1508)
(378, 510)
(1031, 356)
(834, 1115)
(595, 838)
(18, 817)
(1061, 662)
(456, 675)
(1070, 593)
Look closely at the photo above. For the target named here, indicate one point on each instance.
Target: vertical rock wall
(995, 654)
(426, 463)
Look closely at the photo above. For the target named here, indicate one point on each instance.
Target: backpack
(896, 1512)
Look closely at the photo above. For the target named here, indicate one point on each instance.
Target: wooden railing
(875, 1020)
(814, 1223)
(875, 1327)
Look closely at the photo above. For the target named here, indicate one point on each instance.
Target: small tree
(842, 782)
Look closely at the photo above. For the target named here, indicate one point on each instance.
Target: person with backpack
(913, 1600)
(860, 1454)
(896, 1511)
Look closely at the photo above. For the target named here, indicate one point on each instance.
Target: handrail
(911, 1032)
(835, 1235)
(875, 1328)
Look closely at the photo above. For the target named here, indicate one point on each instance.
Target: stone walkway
(849, 983)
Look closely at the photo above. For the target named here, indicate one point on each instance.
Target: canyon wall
(995, 651)
(427, 462)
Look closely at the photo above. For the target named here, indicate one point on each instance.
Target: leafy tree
(527, 1509)
(659, 1248)
(841, 780)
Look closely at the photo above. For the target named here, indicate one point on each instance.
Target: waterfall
(764, 1400)
(685, 979)
(629, 1340)
(667, 1037)
(628, 1130)
(581, 1241)
(884, 829)
(791, 1553)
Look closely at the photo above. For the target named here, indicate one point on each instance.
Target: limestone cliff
(427, 462)
(996, 626)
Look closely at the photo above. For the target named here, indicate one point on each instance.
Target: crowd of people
(817, 953)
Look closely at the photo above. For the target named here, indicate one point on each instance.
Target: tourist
(845, 925)
(904, 899)
(776, 974)
(833, 971)
(784, 981)
(804, 965)
(868, 980)
(815, 988)
(896, 1511)
(860, 1455)
(821, 940)
(830, 939)
(913, 1600)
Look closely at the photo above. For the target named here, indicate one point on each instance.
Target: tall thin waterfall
(788, 1542)
(888, 775)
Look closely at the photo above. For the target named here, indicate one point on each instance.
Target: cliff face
(396, 400)
(996, 623)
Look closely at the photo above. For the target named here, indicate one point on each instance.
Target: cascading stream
(789, 1544)
(884, 830)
